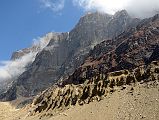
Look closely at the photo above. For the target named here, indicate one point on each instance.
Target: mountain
(132, 60)
(66, 51)
(136, 47)
(110, 63)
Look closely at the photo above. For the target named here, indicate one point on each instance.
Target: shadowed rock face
(133, 48)
(66, 51)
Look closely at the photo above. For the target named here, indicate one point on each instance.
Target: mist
(143, 8)
(9, 70)
(136, 8)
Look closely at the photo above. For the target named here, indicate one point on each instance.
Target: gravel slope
(140, 103)
(136, 102)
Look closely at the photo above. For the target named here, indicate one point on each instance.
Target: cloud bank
(11, 69)
(143, 8)
(108, 6)
(138, 8)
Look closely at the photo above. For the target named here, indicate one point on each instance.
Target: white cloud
(143, 8)
(11, 69)
(108, 6)
(138, 8)
(54, 5)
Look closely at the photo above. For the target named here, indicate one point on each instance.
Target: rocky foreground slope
(59, 98)
(137, 102)
(66, 51)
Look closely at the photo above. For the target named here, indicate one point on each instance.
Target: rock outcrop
(59, 98)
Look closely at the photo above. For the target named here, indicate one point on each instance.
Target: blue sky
(23, 20)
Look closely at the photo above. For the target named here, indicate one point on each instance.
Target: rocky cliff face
(136, 47)
(130, 49)
(66, 51)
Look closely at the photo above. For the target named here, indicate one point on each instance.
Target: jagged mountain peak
(36, 46)
(94, 16)
(121, 13)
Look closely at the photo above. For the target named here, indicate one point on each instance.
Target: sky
(21, 21)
